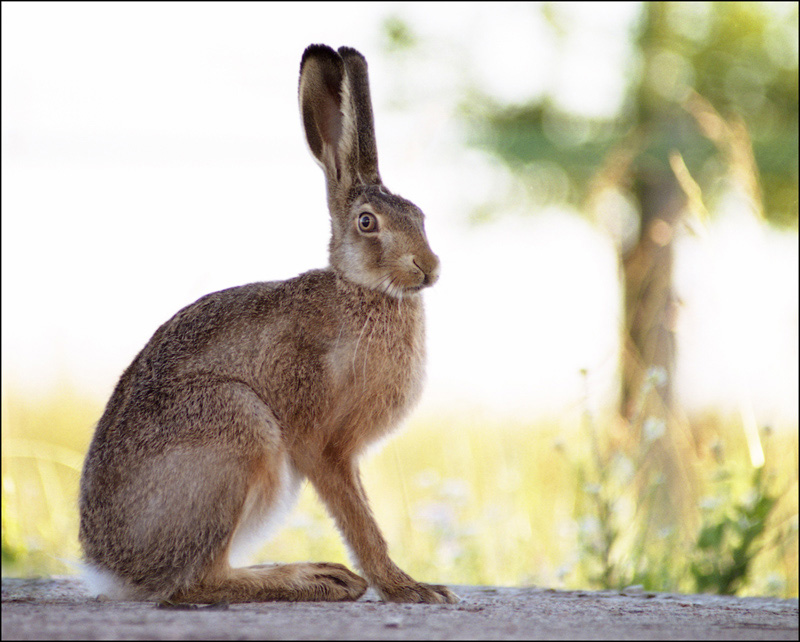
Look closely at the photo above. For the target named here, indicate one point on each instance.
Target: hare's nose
(429, 265)
(433, 276)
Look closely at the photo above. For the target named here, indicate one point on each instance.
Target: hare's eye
(367, 222)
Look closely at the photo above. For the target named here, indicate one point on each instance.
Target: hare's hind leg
(268, 498)
(210, 468)
(270, 486)
(318, 582)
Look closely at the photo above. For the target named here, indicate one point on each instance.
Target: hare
(247, 392)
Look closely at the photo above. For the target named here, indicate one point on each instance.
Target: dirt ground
(59, 609)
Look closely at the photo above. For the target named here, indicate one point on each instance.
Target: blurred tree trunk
(649, 298)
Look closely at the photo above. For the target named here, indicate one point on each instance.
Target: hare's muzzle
(428, 266)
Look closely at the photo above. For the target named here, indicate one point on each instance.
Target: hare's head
(378, 239)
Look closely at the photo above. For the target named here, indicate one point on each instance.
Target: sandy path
(57, 608)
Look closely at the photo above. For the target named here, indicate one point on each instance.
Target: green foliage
(739, 56)
(742, 57)
(397, 35)
(726, 544)
(626, 537)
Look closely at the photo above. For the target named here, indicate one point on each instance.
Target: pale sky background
(153, 153)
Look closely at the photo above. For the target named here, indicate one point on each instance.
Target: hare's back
(237, 321)
(213, 349)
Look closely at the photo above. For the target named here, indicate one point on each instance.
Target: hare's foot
(417, 592)
(324, 582)
(307, 582)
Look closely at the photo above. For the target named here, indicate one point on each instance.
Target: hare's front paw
(418, 592)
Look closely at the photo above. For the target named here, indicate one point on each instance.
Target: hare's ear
(327, 114)
(358, 82)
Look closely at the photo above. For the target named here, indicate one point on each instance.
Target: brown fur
(247, 391)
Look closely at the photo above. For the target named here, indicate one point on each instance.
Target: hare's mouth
(419, 287)
(398, 290)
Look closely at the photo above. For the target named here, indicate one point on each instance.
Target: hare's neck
(380, 356)
(396, 324)
(374, 301)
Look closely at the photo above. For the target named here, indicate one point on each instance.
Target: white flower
(656, 376)
(653, 428)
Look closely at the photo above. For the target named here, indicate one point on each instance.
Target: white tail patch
(101, 583)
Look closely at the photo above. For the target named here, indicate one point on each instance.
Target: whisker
(366, 349)
(358, 342)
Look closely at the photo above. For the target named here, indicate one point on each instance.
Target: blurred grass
(461, 500)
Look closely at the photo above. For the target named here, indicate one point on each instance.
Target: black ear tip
(347, 52)
(318, 51)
